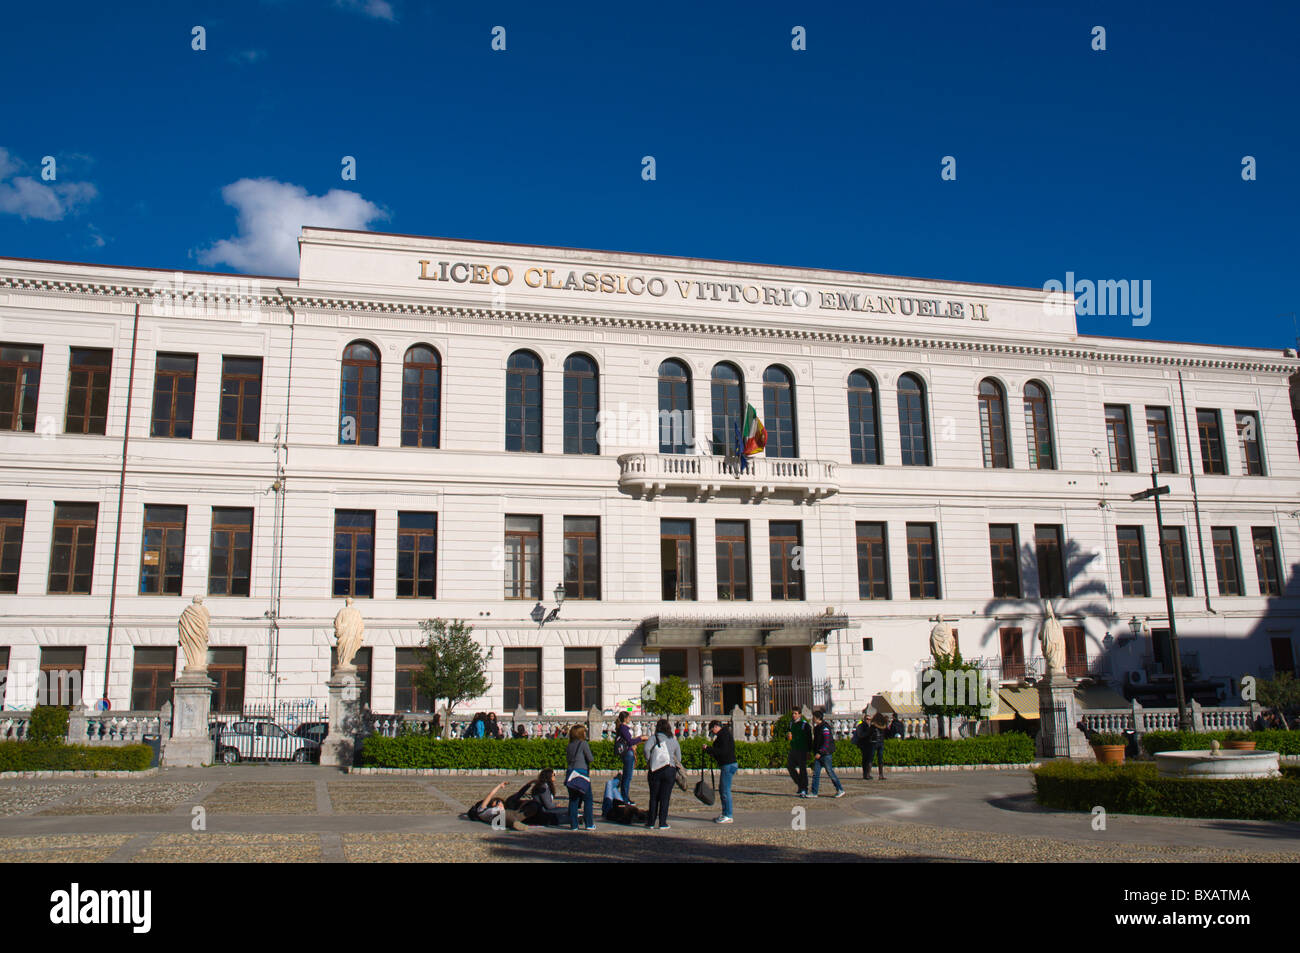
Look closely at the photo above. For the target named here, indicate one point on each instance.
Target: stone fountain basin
(1219, 765)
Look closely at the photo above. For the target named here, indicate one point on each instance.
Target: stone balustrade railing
(95, 728)
(1142, 720)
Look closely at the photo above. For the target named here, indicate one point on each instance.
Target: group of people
(483, 725)
(534, 803)
(1274, 720)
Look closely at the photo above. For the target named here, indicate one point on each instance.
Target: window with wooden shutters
(581, 557)
(1132, 561)
(1076, 651)
(581, 404)
(522, 687)
(162, 551)
(864, 418)
(173, 396)
(226, 668)
(1013, 652)
(13, 517)
(581, 679)
(1227, 565)
(993, 425)
(523, 557)
(72, 548)
(1038, 427)
(230, 566)
(406, 696)
(778, 413)
(1119, 438)
(676, 419)
(417, 555)
(20, 385)
(1178, 578)
(1004, 555)
(1248, 438)
(1211, 433)
(354, 553)
(359, 395)
(913, 429)
(677, 560)
(524, 403)
(922, 561)
(1267, 567)
(241, 398)
(873, 561)
(786, 559)
(1051, 562)
(151, 677)
(62, 671)
(1160, 439)
(88, 375)
(421, 397)
(727, 393)
(733, 559)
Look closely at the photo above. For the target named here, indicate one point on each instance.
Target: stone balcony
(700, 477)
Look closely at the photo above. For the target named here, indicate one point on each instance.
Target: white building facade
(450, 429)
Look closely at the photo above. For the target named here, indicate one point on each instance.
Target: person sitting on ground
(492, 807)
(539, 808)
(614, 808)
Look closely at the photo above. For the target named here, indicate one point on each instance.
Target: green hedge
(26, 756)
(531, 754)
(1138, 789)
(1283, 742)
(48, 725)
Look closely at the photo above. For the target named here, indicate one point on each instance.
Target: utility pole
(1157, 491)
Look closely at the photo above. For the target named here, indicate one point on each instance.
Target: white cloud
(28, 198)
(270, 215)
(379, 9)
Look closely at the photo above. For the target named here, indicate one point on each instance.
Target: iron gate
(263, 733)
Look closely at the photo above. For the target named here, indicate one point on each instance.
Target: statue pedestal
(1058, 716)
(344, 718)
(190, 744)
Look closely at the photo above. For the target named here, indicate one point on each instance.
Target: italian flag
(753, 435)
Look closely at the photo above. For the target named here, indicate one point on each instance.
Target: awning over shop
(1016, 701)
(903, 704)
(659, 632)
(1099, 696)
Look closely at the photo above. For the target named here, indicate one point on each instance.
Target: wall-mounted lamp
(539, 613)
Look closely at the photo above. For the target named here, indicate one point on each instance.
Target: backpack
(658, 755)
(620, 745)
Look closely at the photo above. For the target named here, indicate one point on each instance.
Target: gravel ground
(60, 848)
(128, 798)
(17, 798)
(384, 796)
(231, 848)
(263, 797)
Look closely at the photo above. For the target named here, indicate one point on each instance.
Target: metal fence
(263, 733)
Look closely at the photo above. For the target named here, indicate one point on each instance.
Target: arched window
(676, 420)
(581, 404)
(1038, 425)
(864, 418)
(913, 432)
(778, 413)
(421, 397)
(728, 391)
(524, 403)
(359, 395)
(993, 424)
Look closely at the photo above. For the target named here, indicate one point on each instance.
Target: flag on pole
(754, 434)
(738, 446)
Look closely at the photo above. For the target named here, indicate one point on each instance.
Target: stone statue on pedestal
(941, 640)
(348, 630)
(1052, 638)
(193, 627)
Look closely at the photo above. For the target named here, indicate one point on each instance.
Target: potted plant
(1239, 741)
(1108, 747)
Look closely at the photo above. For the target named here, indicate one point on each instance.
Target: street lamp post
(1156, 491)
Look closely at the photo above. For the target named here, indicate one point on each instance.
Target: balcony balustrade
(701, 476)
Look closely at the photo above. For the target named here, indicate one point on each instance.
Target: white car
(265, 741)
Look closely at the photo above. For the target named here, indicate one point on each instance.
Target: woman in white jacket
(663, 757)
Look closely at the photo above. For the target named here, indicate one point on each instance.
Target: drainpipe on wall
(121, 495)
(1196, 505)
(277, 539)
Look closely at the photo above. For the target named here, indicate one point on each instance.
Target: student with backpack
(824, 752)
(625, 748)
(662, 754)
(723, 751)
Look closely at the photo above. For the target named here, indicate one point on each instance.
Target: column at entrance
(706, 681)
(763, 678)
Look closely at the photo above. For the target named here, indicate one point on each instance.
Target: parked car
(263, 740)
(315, 730)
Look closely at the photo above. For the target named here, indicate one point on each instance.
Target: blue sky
(1116, 164)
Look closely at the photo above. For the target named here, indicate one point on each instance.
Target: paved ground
(307, 813)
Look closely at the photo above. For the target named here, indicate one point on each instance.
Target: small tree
(672, 696)
(1282, 692)
(455, 666)
(946, 688)
(48, 725)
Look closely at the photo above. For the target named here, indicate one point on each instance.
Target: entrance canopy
(660, 632)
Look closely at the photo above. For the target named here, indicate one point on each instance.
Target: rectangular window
(1226, 564)
(230, 569)
(523, 557)
(1004, 554)
(1051, 562)
(1178, 577)
(1248, 436)
(1013, 653)
(1211, 431)
(226, 668)
(354, 553)
(162, 552)
(72, 549)
(4, 673)
(677, 560)
(62, 670)
(1119, 438)
(523, 680)
(362, 662)
(922, 561)
(407, 697)
(1266, 563)
(20, 385)
(241, 398)
(88, 390)
(173, 396)
(733, 559)
(873, 561)
(13, 516)
(1132, 561)
(786, 559)
(1076, 651)
(672, 662)
(1160, 439)
(581, 557)
(1283, 655)
(581, 679)
(417, 555)
(151, 678)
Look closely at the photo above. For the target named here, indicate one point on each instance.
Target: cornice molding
(1096, 354)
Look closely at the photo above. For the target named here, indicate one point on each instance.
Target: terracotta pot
(1109, 754)
(1239, 745)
